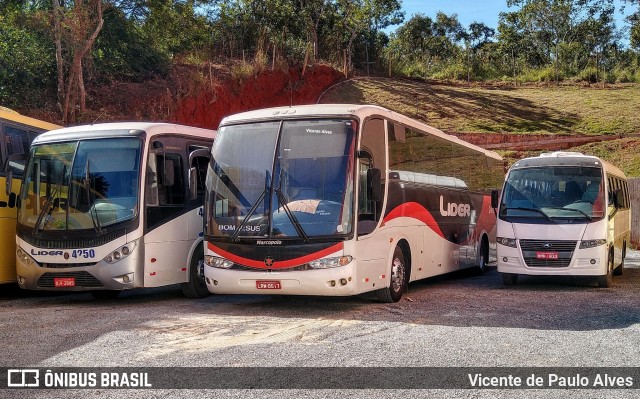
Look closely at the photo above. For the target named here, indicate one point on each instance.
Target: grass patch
(566, 109)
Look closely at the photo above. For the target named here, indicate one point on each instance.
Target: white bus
(343, 199)
(113, 206)
(563, 213)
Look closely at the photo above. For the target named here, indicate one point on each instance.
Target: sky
(469, 11)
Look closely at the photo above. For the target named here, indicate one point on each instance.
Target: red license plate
(268, 285)
(60, 282)
(546, 255)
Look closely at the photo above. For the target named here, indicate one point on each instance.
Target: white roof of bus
(99, 129)
(360, 110)
(609, 167)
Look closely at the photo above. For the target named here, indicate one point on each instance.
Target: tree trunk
(57, 33)
(75, 91)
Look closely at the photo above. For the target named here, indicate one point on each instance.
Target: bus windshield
(89, 184)
(282, 179)
(553, 194)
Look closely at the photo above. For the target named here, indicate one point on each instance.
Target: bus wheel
(196, 287)
(606, 280)
(620, 269)
(398, 280)
(483, 257)
(509, 279)
(105, 294)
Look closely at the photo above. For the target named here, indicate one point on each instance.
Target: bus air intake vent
(531, 249)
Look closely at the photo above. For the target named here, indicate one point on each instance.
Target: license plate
(268, 285)
(546, 255)
(60, 282)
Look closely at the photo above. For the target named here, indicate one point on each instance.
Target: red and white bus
(343, 199)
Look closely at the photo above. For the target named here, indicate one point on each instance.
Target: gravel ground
(458, 320)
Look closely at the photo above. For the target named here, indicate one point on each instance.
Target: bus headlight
(121, 252)
(327, 263)
(507, 242)
(584, 244)
(216, 261)
(23, 256)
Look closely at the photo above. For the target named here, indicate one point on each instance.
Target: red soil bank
(268, 89)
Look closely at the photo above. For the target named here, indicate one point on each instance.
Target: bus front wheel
(196, 287)
(509, 279)
(606, 280)
(398, 280)
(620, 269)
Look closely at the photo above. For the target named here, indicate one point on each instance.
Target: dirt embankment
(268, 89)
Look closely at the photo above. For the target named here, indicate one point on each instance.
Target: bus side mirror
(14, 162)
(193, 183)
(7, 182)
(374, 181)
(495, 197)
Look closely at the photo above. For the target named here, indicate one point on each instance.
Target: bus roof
(11, 115)
(346, 110)
(117, 129)
(567, 158)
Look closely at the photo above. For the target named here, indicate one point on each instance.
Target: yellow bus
(16, 134)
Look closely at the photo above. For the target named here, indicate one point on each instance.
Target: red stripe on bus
(415, 211)
(277, 264)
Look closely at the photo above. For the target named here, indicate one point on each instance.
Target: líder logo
(453, 209)
(268, 261)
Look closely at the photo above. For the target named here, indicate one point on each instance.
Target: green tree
(555, 23)
(356, 17)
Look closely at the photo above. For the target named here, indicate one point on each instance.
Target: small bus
(16, 134)
(339, 200)
(563, 214)
(114, 206)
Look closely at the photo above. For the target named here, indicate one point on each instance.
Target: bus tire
(105, 294)
(606, 280)
(483, 258)
(196, 287)
(509, 279)
(620, 269)
(397, 280)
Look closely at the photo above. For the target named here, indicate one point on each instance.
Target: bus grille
(65, 265)
(564, 249)
(83, 279)
(554, 245)
(533, 262)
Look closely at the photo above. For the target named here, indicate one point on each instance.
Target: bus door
(166, 241)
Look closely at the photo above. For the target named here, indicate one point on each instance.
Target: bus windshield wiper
(292, 217)
(45, 209)
(93, 212)
(572, 209)
(236, 233)
(520, 208)
(48, 203)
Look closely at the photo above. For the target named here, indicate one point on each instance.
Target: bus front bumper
(584, 262)
(98, 276)
(338, 281)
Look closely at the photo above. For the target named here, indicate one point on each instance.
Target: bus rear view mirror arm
(14, 161)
